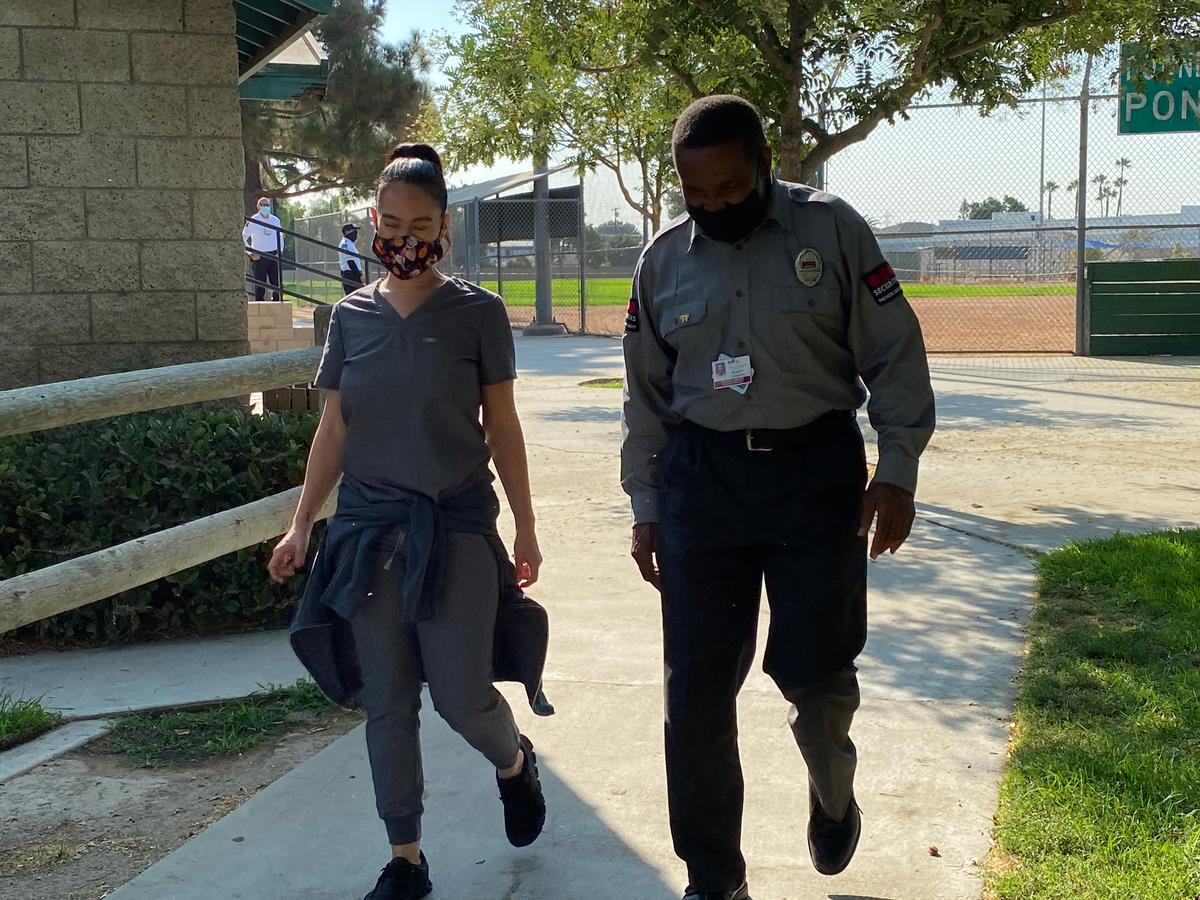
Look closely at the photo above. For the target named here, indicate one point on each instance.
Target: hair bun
(416, 151)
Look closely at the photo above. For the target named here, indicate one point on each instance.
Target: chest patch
(883, 284)
(809, 267)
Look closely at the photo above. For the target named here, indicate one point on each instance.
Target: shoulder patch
(632, 323)
(883, 284)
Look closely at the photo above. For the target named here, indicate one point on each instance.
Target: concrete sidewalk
(1027, 455)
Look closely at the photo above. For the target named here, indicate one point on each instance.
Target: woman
(412, 560)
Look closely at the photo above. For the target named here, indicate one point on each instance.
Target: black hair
(417, 164)
(719, 119)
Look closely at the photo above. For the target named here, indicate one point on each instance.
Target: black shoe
(524, 805)
(742, 893)
(831, 843)
(401, 880)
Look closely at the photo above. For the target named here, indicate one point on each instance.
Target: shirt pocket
(801, 300)
(679, 323)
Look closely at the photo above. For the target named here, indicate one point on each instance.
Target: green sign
(1155, 98)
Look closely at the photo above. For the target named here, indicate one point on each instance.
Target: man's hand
(256, 257)
(895, 510)
(644, 551)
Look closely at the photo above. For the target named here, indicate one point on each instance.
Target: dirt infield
(1041, 323)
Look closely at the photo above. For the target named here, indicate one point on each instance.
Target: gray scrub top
(411, 388)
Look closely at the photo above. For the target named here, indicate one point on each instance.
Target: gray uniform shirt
(810, 299)
(411, 388)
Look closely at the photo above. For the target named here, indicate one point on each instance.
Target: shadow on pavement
(314, 835)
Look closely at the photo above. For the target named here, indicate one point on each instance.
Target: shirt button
(741, 345)
(739, 293)
(737, 246)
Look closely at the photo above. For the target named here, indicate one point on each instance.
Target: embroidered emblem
(883, 284)
(631, 316)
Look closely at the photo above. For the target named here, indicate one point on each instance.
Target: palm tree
(1122, 164)
(1100, 181)
(1050, 187)
(1109, 193)
(1072, 187)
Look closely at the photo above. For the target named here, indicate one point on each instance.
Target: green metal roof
(279, 81)
(265, 26)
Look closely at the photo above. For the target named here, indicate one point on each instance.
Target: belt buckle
(750, 443)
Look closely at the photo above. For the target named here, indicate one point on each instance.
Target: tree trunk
(792, 149)
(252, 186)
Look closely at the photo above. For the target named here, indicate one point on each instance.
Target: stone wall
(121, 174)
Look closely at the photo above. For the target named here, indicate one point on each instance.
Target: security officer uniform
(764, 478)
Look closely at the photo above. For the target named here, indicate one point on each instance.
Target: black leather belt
(764, 440)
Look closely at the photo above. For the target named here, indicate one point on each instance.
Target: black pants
(351, 281)
(265, 268)
(731, 517)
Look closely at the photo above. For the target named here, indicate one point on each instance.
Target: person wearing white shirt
(264, 243)
(348, 256)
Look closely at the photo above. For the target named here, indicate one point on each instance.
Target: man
(352, 276)
(264, 243)
(754, 322)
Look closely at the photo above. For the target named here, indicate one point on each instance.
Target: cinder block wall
(272, 328)
(121, 172)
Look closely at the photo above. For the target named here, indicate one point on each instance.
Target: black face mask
(353, 235)
(734, 220)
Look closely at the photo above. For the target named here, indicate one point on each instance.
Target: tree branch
(685, 77)
(1074, 8)
(832, 144)
(616, 170)
(320, 187)
(765, 38)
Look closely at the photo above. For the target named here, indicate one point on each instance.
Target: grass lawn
(1101, 797)
(610, 383)
(22, 720)
(185, 735)
(615, 291)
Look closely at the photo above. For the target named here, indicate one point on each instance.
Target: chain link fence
(977, 215)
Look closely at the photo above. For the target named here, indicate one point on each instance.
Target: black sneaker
(831, 843)
(401, 880)
(742, 893)
(524, 805)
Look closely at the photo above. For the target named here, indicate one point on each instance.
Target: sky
(404, 17)
(922, 169)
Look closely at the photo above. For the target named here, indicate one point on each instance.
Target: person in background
(264, 243)
(352, 276)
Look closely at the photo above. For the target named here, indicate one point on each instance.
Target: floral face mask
(408, 257)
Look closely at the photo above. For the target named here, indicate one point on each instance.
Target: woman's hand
(289, 553)
(527, 557)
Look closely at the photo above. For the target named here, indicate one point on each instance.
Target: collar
(777, 200)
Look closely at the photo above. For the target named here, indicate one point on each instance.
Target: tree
(535, 76)
(984, 208)
(375, 93)
(1121, 181)
(826, 73)
(1050, 187)
(1101, 182)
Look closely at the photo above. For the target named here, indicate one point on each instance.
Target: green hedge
(70, 491)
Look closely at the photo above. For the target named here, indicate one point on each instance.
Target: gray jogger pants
(454, 649)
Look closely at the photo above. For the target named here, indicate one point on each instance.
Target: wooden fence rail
(97, 576)
(46, 406)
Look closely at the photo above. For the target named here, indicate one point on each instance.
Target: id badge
(731, 372)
